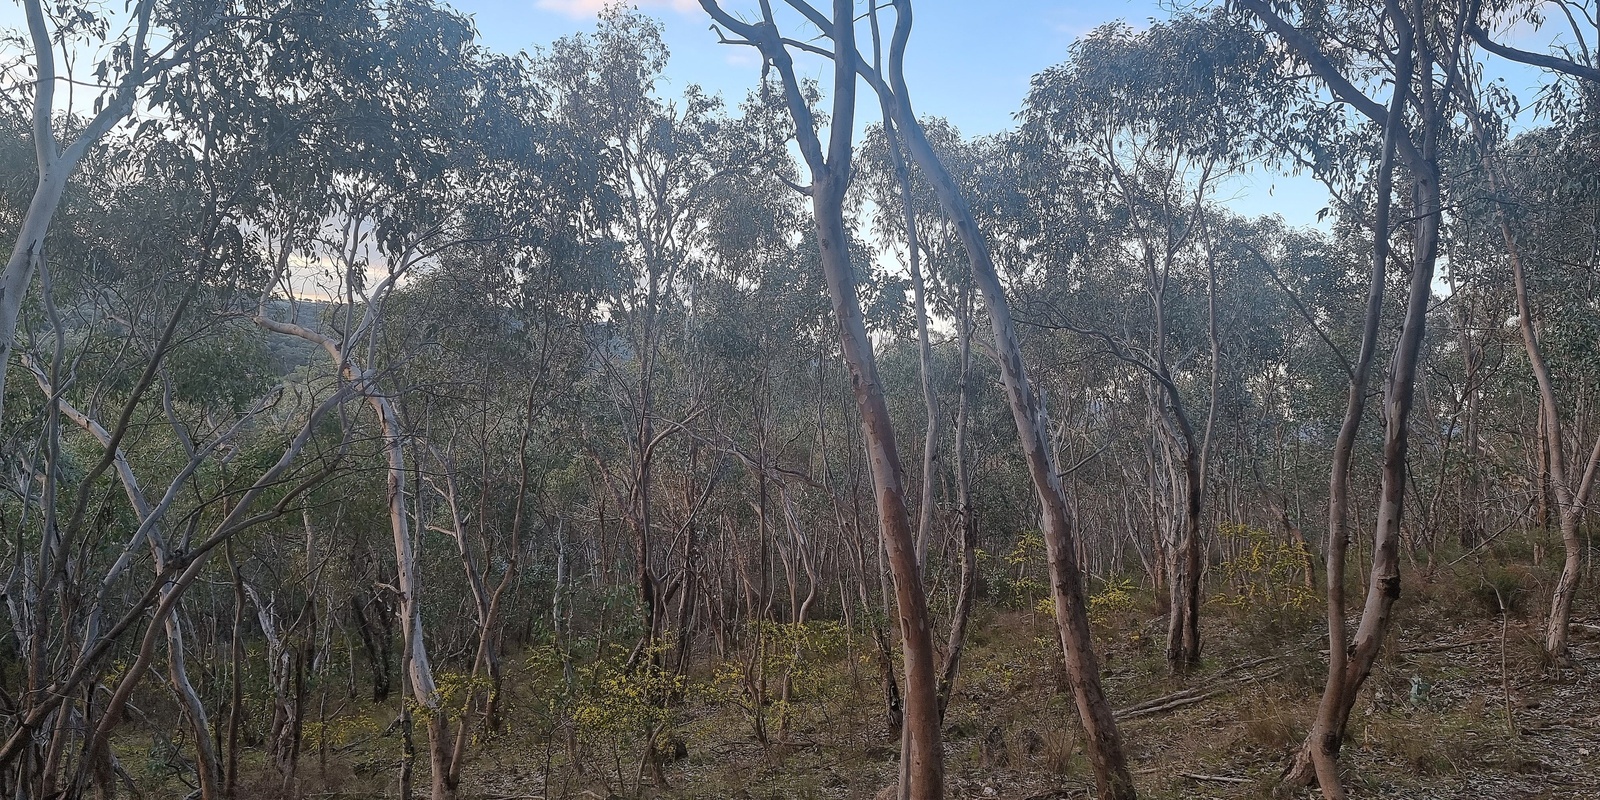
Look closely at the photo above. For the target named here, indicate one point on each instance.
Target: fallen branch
(1132, 713)
(1440, 647)
(1162, 701)
(1246, 665)
(1436, 647)
(1053, 794)
(1194, 776)
(1198, 694)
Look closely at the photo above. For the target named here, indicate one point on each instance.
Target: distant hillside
(287, 352)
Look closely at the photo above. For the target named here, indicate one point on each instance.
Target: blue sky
(969, 61)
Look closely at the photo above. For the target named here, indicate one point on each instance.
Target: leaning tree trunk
(930, 441)
(1570, 498)
(56, 164)
(1104, 742)
(208, 768)
(920, 733)
(921, 757)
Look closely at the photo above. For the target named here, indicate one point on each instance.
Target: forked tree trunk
(921, 757)
(921, 739)
(1351, 662)
(56, 165)
(1104, 743)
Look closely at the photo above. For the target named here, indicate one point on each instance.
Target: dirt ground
(1454, 710)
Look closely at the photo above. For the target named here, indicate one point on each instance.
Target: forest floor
(1455, 709)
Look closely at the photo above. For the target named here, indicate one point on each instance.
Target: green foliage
(615, 704)
(1266, 571)
(1501, 587)
(456, 690)
(342, 730)
(1014, 585)
(231, 369)
(1116, 597)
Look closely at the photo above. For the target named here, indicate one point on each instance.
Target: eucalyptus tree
(1569, 57)
(137, 54)
(899, 195)
(159, 256)
(647, 218)
(1104, 745)
(829, 164)
(1154, 118)
(887, 79)
(1543, 213)
(1417, 45)
(908, 220)
(59, 360)
(401, 121)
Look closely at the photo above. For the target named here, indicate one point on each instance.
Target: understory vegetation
(382, 414)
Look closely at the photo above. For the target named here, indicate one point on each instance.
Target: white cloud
(579, 9)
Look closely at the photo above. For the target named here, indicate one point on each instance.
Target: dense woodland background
(384, 415)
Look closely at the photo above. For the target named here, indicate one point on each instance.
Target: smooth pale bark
(1383, 586)
(207, 767)
(921, 758)
(1181, 547)
(158, 598)
(486, 605)
(919, 303)
(1103, 741)
(419, 670)
(1571, 499)
(162, 596)
(56, 164)
(969, 522)
(1318, 759)
(1415, 144)
(921, 734)
(362, 381)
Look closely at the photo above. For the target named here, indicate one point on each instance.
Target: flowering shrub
(1016, 588)
(790, 653)
(1266, 571)
(618, 705)
(1116, 597)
